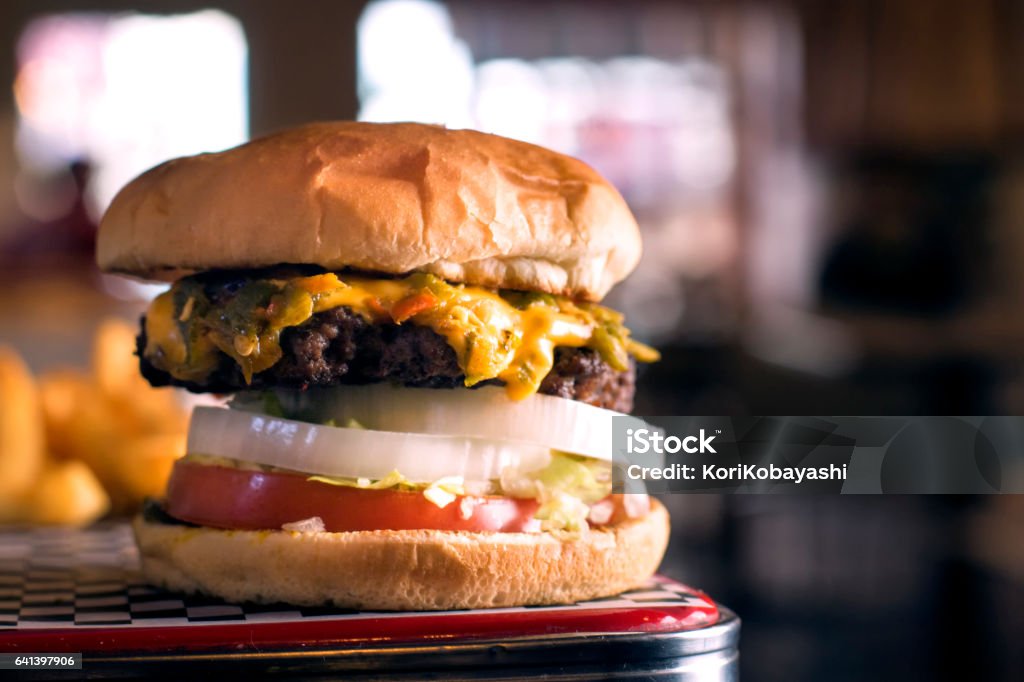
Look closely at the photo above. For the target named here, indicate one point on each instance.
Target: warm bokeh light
(411, 66)
(126, 92)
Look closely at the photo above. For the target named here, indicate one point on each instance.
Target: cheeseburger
(422, 378)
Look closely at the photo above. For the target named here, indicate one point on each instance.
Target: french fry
(111, 438)
(140, 408)
(144, 464)
(14, 508)
(113, 360)
(67, 493)
(93, 435)
(62, 394)
(21, 427)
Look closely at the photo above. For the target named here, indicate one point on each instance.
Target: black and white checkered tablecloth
(62, 578)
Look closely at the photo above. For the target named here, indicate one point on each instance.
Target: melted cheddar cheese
(509, 336)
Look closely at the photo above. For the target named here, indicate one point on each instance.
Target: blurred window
(411, 66)
(659, 127)
(125, 92)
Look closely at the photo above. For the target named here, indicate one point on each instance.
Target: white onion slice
(354, 453)
(542, 420)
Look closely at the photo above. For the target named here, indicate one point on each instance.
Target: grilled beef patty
(340, 347)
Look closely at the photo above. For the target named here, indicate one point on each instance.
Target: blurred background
(832, 201)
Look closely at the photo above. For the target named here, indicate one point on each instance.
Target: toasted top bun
(403, 569)
(389, 198)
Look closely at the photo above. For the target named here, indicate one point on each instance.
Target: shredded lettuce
(282, 404)
(349, 424)
(271, 404)
(441, 492)
(586, 479)
(565, 488)
(580, 477)
(562, 511)
(392, 480)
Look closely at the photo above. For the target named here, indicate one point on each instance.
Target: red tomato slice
(223, 497)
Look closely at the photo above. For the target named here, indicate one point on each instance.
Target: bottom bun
(403, 570)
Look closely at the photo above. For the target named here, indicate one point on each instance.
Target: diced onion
(439, 496)
(601, 512)
(355, 453)
(313, 524)
(540, 420)
(636, 505)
